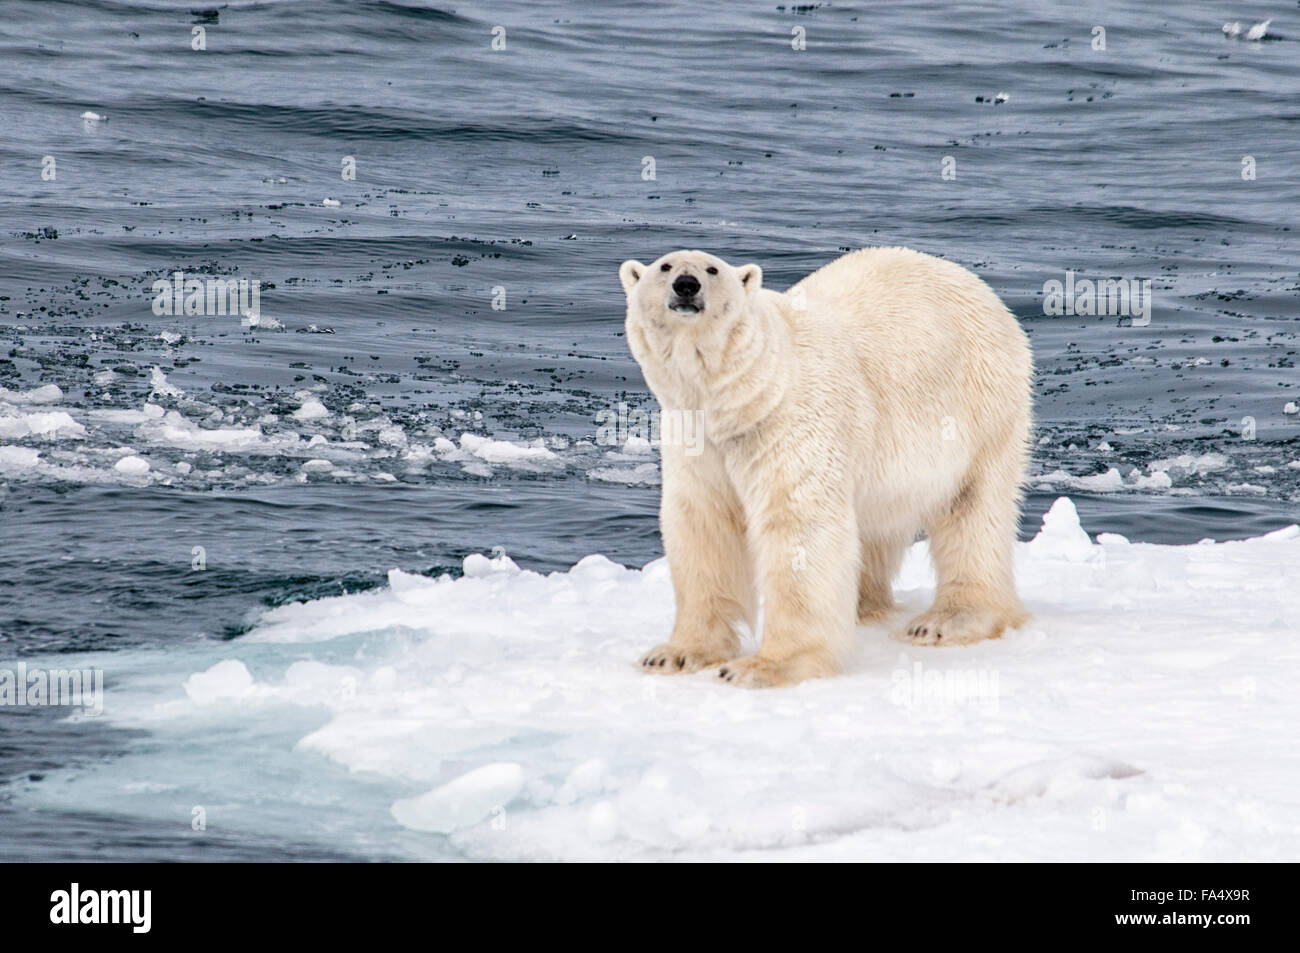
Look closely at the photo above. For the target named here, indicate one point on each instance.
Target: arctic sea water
(436, 339)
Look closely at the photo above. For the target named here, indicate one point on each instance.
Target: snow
(1062, 537)
(1143, 713)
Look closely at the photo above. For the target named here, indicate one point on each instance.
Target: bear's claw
(954, 627)
(759, 672)
(669, 659)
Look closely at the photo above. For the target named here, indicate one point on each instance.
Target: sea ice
(1142, 713)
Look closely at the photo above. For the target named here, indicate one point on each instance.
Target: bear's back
(902, 302)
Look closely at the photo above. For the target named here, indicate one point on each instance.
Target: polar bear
(886, 393)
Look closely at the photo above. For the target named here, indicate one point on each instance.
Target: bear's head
(688, 289)
(708, 337)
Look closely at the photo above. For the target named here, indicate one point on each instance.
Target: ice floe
(1142, 714)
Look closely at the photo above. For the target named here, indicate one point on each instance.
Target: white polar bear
(885, 393)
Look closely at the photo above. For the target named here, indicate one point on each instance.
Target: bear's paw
(670, 659)
(955, 626)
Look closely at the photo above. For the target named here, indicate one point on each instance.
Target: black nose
(686, 285)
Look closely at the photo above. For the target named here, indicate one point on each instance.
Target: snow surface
(1147, 712)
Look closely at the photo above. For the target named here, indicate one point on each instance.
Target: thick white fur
(886, 393)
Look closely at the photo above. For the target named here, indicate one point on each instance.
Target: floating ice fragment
(159, 385)
(261, 321)
(501, 451)
(54, 425)
(45, 394)
(1258, 31)
(311, 409)
(132, 466)
(18, 458)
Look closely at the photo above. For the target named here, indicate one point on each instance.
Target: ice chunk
(476, 564)
(132, 466)
(18, 458)
(45, 394)
(1137, 716)
(1061, 536)
(54, 424)
(311, 409)
(501, 451)
(463, 802)
(158, 384)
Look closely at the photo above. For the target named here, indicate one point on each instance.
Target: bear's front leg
(806, 544)
(704, 538)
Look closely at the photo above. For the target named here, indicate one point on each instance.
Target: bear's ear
(630, 273)
(751, 277)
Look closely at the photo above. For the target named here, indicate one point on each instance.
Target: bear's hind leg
(880, 561)
(971, 545)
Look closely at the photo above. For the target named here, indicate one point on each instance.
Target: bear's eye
(711, 270)
(665, 267)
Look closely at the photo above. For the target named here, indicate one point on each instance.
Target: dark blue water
(520, 171)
